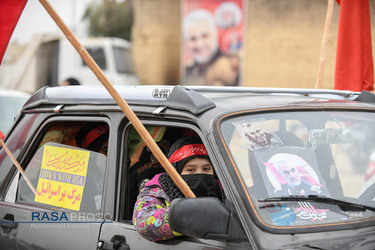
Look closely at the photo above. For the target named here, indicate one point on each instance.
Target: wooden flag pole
(185, 189)
(15, 162)
(323, 52)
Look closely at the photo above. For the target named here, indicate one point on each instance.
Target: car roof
(198, 99)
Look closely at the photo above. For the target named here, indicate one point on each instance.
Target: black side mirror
(204, 217)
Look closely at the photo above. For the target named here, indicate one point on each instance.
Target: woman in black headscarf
(190, 158)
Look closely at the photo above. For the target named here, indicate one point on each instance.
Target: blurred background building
(283, 37)
(283, 44)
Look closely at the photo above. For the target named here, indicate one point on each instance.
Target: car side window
(67, 170)
(143, 164)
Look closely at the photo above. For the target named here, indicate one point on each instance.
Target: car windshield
(123, 58)
(305, 168)
(9, 107)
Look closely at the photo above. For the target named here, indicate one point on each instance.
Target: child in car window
(189, 157)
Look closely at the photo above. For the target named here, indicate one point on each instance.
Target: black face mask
(202, 185)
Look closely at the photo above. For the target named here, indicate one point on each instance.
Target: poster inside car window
(62, 177)
(66, 177)
(256, 134)
(213, 38)
(290, 171)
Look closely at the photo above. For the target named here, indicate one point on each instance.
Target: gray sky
(35, 19)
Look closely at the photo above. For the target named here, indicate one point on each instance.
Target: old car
(293, 164)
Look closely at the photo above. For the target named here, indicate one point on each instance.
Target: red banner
(354, 62)
(10, 12)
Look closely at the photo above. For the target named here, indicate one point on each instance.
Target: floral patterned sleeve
(151, 212)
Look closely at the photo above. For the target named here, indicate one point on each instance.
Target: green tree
(110, 18)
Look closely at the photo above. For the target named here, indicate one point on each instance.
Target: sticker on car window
(255, 136)
(306, 211)
(62, 177)
(290, 171)
(281, 215)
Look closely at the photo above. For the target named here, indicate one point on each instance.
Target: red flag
(354, 63)
(10, 12)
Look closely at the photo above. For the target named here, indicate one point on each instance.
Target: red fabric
(94, 134)
(187, 151)
(10, 12)
(354, 63)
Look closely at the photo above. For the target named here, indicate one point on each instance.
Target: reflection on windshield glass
(297, 154)
(9, 107)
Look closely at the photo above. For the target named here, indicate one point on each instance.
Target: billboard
(213, 41)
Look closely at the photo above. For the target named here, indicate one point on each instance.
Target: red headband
(187, 151)
(93, 134)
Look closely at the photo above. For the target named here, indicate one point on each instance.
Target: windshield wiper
(344, 205)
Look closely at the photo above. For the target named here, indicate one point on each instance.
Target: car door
(120, 232)
(57, 202)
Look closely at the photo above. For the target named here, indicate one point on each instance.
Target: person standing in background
(70, 81)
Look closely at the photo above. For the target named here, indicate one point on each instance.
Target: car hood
(357, 241)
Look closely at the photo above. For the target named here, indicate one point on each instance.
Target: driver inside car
(151, 211)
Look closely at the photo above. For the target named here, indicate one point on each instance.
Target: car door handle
(8, 223)
(117, 245)
(117, 242)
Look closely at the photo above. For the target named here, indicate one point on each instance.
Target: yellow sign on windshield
(62, 177)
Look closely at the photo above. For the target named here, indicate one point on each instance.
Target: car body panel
(200, 109)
